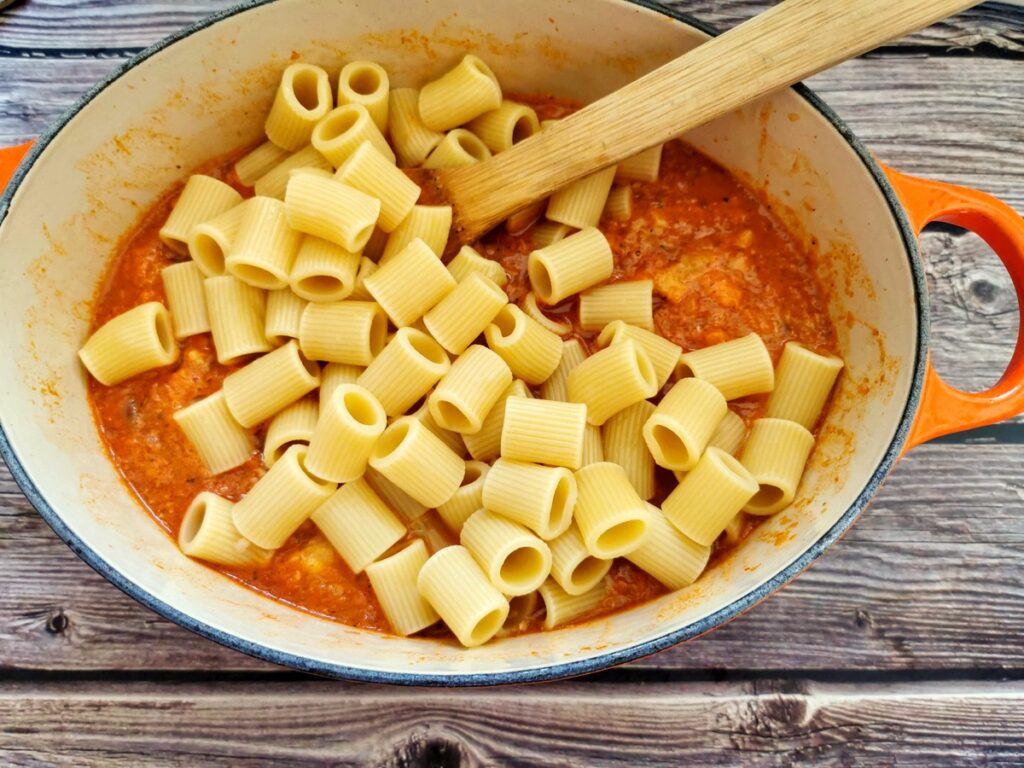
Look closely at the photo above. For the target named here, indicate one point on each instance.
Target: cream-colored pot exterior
(207, 93)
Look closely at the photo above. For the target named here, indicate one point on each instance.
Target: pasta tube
(509, 124)
(323, 271)
(775, 454)
(581, 203)
(544, 431)
(430, 223)
(366, 83)
(803, 382)
(679, 429)
(630, 301)
(541, 498)
(465, 313)
(452, 439)
(295, 424)
(334, 375)
(623, 443)
(466, 91)
(210, 241)
(397, 500)
(737, 368)
(672, 558)
(612, 380)
(183, 284)
(729, 434)
(366, 268)
(556, 386)
(358, 524)
(457, 149)
(467, 499)
(284, 316)
(370, 171)
(515, 560)
(302, 99)
(485, 445)
(561, 607)
(531, 351)
(264, 247)
(394, 583)
(468, 260)
(593, 451)
(409, 365)
(220, 441)
(280, 501)
(466, 394)
(207, 532)
(569, 266)
(546, 232)
(533, 310)
(709, 496)
(619, 205)
(612, 518)
(202, 199)
(274, 182)
(410, 283)
(343, 130)
(412, 139)
(256, 163)
(643, 166)
(574, 569)
(345, 433)
(663, 353)
(237, 318)
(459, 590)
(333, 211)
(133, 342)
(269, 384)
(414, 458)
(349, 332)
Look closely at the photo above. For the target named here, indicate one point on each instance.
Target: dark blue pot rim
(553, 671)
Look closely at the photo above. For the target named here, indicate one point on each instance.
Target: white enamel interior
(207, 94)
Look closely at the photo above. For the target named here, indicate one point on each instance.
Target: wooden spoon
(791, 41)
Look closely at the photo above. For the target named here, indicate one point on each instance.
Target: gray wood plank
(56, 25)
(568, 724)
(930, 578)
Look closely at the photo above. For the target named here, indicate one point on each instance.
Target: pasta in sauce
(721, 265)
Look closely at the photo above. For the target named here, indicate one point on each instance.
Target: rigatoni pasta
(729, 434)
(283, 316)
(466, 394)
(343, 130)
(465, 313)
(516, 561)
(457, 149)
(280, 501)
(358, 524)
(331, 210)
(349, 332)
(459, 590)
(631, 302)
(412, 139)
(571, 265)
(183, 284)
(709, 496)
(544, 431)
(623, 443)
(405, 370)
(295, 424)
(509, 124)
(256, 163)
(210, 241)
(775, 455)
(207, 532)
(394, 582)
(237, 314)
(429, 223)
(264, 247)
(467, 260)
(613, 520)
(269, 384)
(663, 353)
(612, 380)
(541, 498)
(414, 458)
(737, 368)
(803, 382)
(466, 91)
(135, 341)
(202, 199)
(323, 271)
(643, 166)
(560, 607)
(369, 171)
(556, 386)
(573, 567)
(581, 203)
(672, 558)
(346, 431)
(221, 442)
(412, 282)
(302, 99)
(485, 444)
(531, 351)
(467, 499)
(274, 182)
(534, 311)
(366, 83)
(619, 205)
(679, 429)
(334, 375)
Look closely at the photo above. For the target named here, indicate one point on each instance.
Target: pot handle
(10, 159)
(945, 409)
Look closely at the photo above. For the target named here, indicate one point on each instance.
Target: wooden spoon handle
(791, 41)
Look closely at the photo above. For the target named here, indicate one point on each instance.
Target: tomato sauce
(722, 265)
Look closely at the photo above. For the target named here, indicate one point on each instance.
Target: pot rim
(538, 674)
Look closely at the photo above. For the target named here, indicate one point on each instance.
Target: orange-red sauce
(722, 264)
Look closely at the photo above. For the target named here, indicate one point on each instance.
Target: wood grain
(929, 579)
(51, 27)
(593, 724)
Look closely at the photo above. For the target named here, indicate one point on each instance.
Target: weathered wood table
(904, 645)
